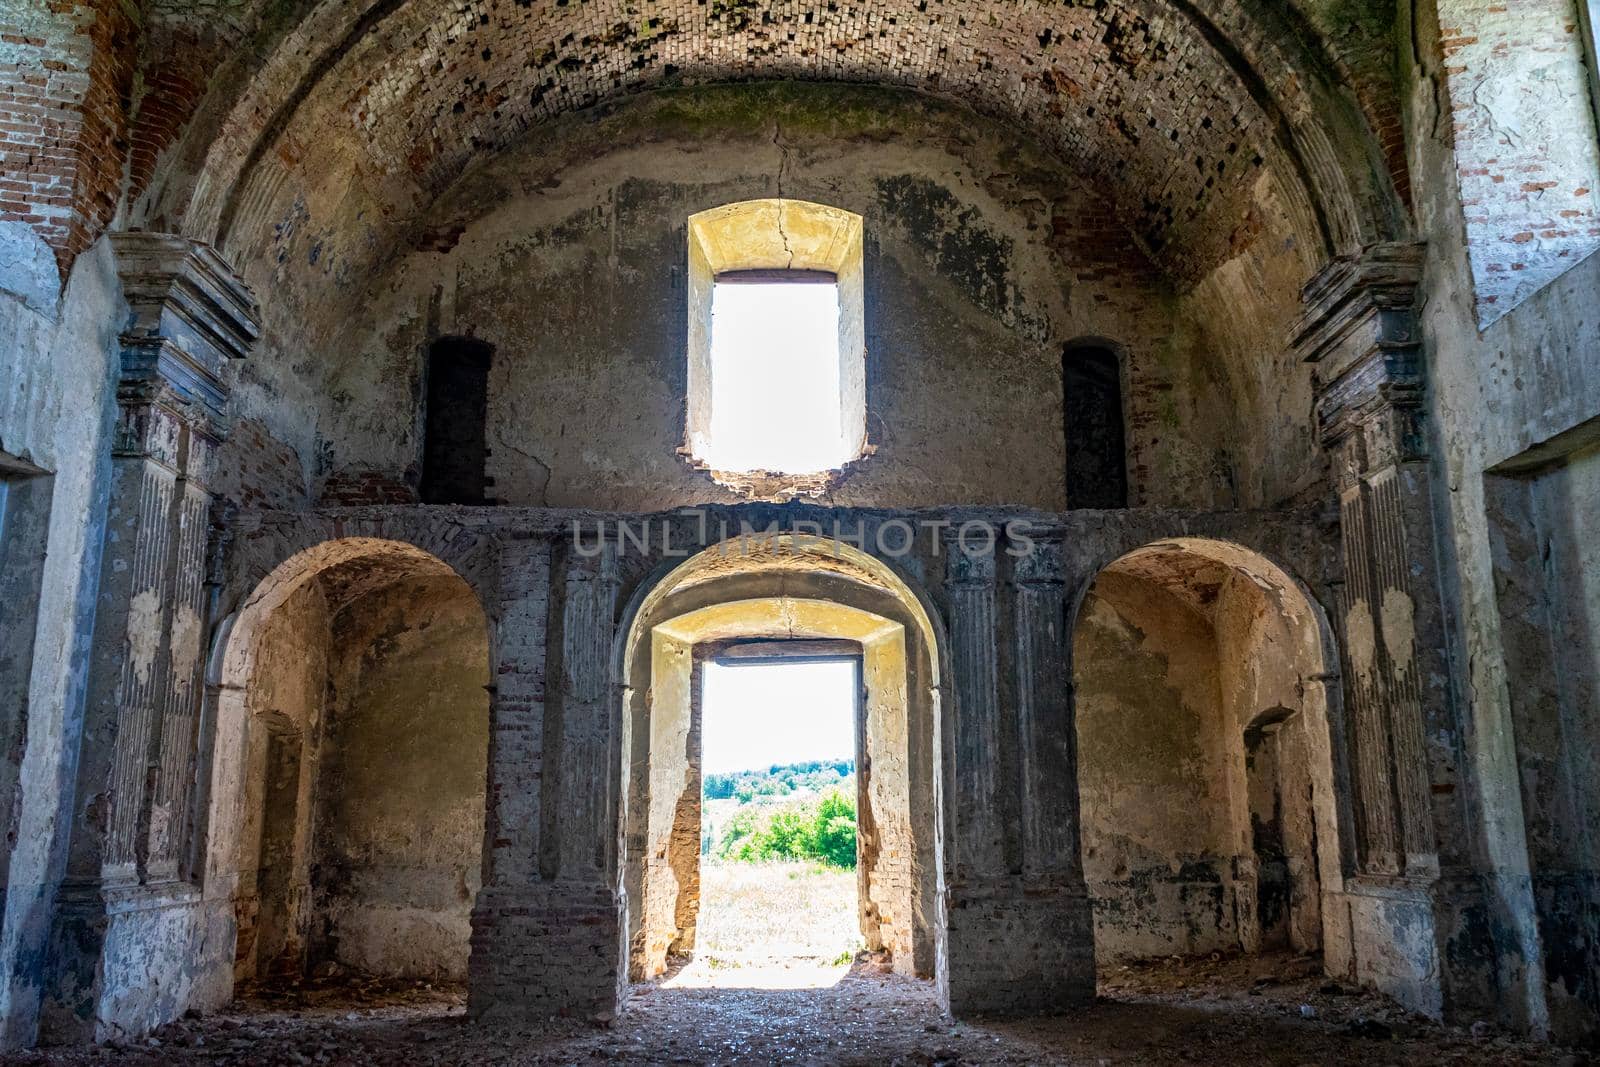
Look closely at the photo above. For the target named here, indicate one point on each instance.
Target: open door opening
(779, 729)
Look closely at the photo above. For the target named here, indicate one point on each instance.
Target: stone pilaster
(1360, 331)
(547, 929)
(1047, 737)
(979, 837)
(1052, 863)
(1019, 931)
(191, 316)
(582, 828)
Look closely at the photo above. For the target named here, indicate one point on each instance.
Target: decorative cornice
(1360, 329)
(190, 314)
(1368, 298)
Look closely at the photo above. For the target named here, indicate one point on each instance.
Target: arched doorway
(790, 589)
(1209, 755)
(348, 774)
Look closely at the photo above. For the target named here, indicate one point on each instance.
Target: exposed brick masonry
(66, 68)
(1526, 156)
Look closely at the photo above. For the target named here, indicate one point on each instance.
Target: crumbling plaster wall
(1155, 773)
(1238, 314)
(1266, 665)
(988, 256)
(984, 259)
(59, 362)
(1547, 587)
(286, 697)
(1178, 660)
(400, 806)
(1494, 396)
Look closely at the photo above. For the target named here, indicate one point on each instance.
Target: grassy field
(766, 915)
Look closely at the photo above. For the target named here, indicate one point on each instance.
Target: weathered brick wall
(1525, 148)
(194, 52)
(66, 68)
(173, 86)
(259, 471)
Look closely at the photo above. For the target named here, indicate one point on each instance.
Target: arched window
(1097, 467)
(455, 445)
(777, 358)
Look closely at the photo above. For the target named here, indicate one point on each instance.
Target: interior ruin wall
(59, 360)
(401, 796)
(371, 857)
(984, 259)
(283, 747)
(1154, 774)
(1514, 397)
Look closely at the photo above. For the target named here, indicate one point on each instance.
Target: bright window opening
(775, 376)
(759, 714)
(776, 345)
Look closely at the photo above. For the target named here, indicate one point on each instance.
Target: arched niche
(344, 802)
(1211, 757)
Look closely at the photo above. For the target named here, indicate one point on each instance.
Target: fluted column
(1020, 937)
(970, 588)
(1360, 330)
(1412, 873)
(1047, 737)
(580, 829)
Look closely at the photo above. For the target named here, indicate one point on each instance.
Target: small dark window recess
(1097, 466)
(454, 446)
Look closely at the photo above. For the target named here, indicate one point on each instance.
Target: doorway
(779, 729)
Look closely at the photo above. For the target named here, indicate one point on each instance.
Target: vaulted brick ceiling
(1173, 107)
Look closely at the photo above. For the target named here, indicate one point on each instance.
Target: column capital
(1043, 563)
(591, 554)
(968, 561)
(190, 315)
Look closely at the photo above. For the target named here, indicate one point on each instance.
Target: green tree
(834, 830)
(823, 830)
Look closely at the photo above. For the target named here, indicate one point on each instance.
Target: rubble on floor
(1208, 1010)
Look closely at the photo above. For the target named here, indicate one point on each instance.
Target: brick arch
(1259, 565)
(843, 564)
(269, 559)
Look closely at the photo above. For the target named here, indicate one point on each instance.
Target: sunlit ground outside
(778, 881)
(773, 925)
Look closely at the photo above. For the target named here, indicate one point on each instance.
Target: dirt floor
(774, 981)
(1224, 1011)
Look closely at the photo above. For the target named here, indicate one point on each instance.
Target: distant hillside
(779, 780)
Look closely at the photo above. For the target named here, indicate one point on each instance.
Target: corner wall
(59, 360)
(1494, 396)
